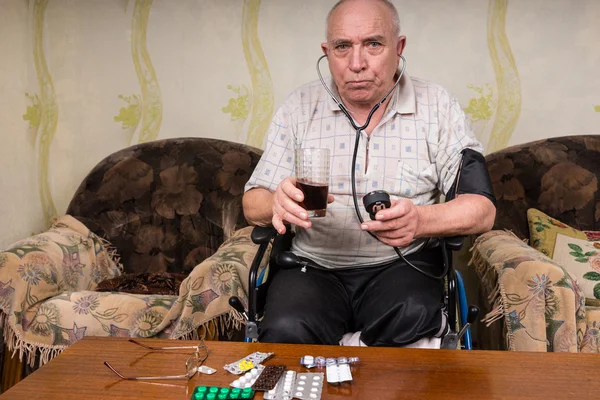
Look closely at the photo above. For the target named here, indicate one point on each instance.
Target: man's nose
(358, 62)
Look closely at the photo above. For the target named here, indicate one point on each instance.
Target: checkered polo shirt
(413, 153)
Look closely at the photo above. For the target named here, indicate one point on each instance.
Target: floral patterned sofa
(153, 243)
(532, 302)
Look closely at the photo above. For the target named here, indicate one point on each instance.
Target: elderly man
(411, 148)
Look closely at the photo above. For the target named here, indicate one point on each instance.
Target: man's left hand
(396, 226)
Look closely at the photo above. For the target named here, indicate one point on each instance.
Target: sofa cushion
(581, 257)
(543, 230)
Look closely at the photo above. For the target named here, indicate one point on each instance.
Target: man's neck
(360, 113)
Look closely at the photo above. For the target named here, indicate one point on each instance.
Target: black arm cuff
(472, 177)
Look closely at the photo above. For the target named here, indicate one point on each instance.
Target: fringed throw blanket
(48, 297)
(539, 302)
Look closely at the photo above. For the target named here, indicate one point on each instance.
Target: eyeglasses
(192, 364)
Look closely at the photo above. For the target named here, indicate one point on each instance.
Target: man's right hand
(263, 207)
(286, 207)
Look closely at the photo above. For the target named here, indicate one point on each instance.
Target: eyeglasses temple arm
(141, 378)
(162, 348)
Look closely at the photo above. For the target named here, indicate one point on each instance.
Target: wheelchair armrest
(454, 243)
(262, 234)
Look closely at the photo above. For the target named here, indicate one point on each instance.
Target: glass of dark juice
(312, 177)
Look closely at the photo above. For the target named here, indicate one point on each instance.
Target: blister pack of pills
(269, 377)
(284, 387)
(215, 392)
(248, 379)
(337, 373)
(247, 363)
(309, 386)
(310, 361)
(204, 369)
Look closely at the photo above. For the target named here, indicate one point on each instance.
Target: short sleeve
(455, 135)
(277, 161)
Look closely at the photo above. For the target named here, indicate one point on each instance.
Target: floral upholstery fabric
(162, 209)
(169, 204)
(558, 176)
(48, 304)
(539, 301)
(66, 258)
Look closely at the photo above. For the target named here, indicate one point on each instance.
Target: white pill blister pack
(337, 373)
(247, 363)
(284, 387)
(248, 379)
(309, 386)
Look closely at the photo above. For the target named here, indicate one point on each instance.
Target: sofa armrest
(66, 257)
(540, 304)
(224, 274)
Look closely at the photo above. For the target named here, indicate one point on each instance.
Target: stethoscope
(359, 129)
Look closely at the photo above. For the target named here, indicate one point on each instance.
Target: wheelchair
(459, 315)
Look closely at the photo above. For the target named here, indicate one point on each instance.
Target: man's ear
(325, 48)
(401, 45)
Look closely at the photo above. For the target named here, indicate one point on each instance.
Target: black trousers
(392, 304)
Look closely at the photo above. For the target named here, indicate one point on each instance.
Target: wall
(80, 79)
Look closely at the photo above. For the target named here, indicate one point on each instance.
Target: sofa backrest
(558, 176)
(166, 205)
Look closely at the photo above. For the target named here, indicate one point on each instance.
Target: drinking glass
(312, 177)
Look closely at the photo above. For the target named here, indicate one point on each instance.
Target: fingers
(400, 215)
(278, 224)
(389, 225)
(398, 209)
(288, 187)
(286, 207)
(395, 226)
(289, 211)
(330, 199)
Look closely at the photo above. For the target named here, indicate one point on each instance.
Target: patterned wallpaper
(81, 79)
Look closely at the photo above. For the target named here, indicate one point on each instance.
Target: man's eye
(374, 44)
(341, 46)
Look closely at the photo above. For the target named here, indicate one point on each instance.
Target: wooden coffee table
(384, 373)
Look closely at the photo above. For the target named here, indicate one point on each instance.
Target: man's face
(363, 52)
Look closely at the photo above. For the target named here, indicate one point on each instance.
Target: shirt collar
(403, 99)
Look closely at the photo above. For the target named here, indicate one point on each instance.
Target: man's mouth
(358, 83)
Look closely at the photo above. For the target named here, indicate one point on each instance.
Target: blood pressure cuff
(472, 177)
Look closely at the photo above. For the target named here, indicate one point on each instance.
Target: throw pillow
(543, 230)
(581, 258)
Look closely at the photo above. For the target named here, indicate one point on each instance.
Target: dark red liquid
(315, 195)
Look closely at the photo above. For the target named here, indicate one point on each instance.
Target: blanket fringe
(489, 276)
(215, 327)
(489, 279)
(111, 251)
(27, 351)
(192, 335)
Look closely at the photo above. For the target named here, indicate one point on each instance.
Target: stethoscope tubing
(359, 129)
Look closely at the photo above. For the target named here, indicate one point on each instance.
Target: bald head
(363, 49)
(393, 13)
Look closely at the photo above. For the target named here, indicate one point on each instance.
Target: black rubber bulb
(237, 305)
(287, 259)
